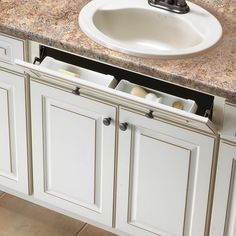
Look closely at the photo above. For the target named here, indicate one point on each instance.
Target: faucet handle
(153, 1)
(177, 6)
(169, 1)
(181, 3)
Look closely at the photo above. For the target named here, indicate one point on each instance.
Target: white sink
(134, 27)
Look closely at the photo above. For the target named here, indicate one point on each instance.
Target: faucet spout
(177, 6)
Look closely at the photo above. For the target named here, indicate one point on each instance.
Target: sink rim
(197, 14)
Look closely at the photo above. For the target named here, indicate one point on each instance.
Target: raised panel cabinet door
(13, 143)
(223, 221)
(164, 176)
(73, 152)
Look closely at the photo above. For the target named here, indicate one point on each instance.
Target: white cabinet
(223, 222)
(11, 49)
(224, 204)
(163, 176)
(73, 152)
(164, 164)
(13, 142)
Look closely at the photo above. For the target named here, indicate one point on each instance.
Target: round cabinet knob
(76, 91)
(149, 115)
(107, 121)
(123, 126)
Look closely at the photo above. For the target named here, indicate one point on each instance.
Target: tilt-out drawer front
(167, 113)
(159, 97)
(11, 49)
(51, 67)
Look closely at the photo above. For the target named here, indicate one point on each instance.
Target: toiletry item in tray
(156, 96)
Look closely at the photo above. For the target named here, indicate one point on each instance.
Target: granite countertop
(55, 23)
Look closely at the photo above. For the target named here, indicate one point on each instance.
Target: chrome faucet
(177, 6)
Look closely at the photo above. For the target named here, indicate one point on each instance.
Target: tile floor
(21, 218)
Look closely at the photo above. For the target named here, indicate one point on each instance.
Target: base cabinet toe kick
(74, 141)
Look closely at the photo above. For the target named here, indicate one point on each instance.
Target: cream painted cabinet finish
(224, 204)
(73, 152)
(163, 178)
(13, 144)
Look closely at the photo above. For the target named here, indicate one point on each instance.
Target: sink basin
(134, 27)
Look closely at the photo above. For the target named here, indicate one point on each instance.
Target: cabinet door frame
(224, 208)
(42, 97)
(202, 146)
(16, 177)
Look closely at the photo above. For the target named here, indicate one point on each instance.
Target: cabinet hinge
(41, 55)
(208, 113)
(36, 59)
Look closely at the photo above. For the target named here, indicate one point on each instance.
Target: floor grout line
(81, 230)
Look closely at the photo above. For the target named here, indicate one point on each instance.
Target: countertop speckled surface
(55, 23)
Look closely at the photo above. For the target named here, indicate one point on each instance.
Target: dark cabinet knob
(107, 121)
(149, 115)
(123, 126)
(76, 91)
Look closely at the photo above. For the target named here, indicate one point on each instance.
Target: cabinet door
(13, 144)
(224, 204)
(73, 152)
(163, 178)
